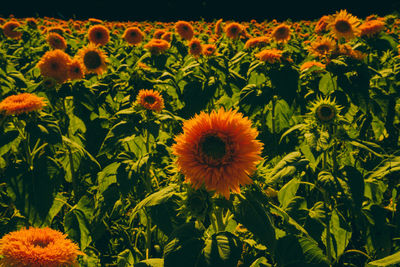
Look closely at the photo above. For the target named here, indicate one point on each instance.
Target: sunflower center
(342, 26)
(149, 99)
(281, 32)
(99, 35)
(54, 65)
(213, 146)
(92, 60)
(40, 243)
(133, 34)
(326, 112)
(322, 48)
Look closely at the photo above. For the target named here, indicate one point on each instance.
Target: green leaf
(391, 260)
(107, 176)
(150, 263)
(286, 167)
(125, 258)
(287, 192)
(326, 85)
(77, 227)
(6, 141)
(261, 262)
(222, 249)
(355, 180)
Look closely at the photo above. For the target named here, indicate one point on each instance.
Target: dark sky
(173, 10)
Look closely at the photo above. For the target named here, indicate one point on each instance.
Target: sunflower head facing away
(93, 59)
(150, 100)
(218, 151)
(270, 55)
(98, 35)
(157, 46)
(372, 27)
(184, 29)
(325, 110)
(344, 25)
(37, 247)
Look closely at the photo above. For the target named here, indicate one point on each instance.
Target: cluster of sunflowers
(220, 147)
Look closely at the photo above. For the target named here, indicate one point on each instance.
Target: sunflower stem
(219, 216)
(328, 229)
(149, 188)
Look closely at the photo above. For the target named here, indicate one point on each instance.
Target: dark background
(173, 10)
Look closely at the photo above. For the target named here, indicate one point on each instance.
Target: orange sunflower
(167, 36)
(322, 47)
(76, 70)
(157, 46)
(9, 30)
(218, 150)
(158, 33)
(184, 29)
(150, 99)
(54, 64)
(209, 50)
(321, 24)
(195, 48)
(344, 25)
(21, 103)
(371, 27)
(256, 42)
(56, 41)
(38, 247)
(233, 30)
(309, 64)
(218, 27)
(93, 59)
(98, 35)
(270, 55)
(133, 35)
(281, 33)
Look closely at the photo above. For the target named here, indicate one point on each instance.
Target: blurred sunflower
(92, 59)
(218, 27)
(322, 47)
(281, 33)
(56, 41)
(150, 99)
(321, 24)
(157, 46)
(209, 49)
(270, 55)
(159, 33)
(325, 110)
(184, 29)
(98, 35)
(256, 42)
(9, 30)
(21, 103)
(371, 27)
(38, 247)
(195, 48)
(309, 64)
(344, 25)
(54, 64)
(76, 70)
(218, 150)
(233, 30)
(133, 35)
(167, 36)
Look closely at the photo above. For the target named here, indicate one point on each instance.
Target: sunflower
(371, 27)
(281, 33)
(157, 46)
(321, 24)
(218, 27)
(92, 59)
(150, 99)
(195, 48)
(98, 35)
(54, 64)
(256, 42)
(344, 25)
(218, 150)
(184, 29)
(21, 103)
(309, 64)
(133, 35)
(38, 247)
(270, 55)
(322, 47)
(76, 70)
(325, 110)
(159, 33)
(233, 30)
(209, 50)
(347, 50)
(167, 36)
(56, 41)
(9, 30)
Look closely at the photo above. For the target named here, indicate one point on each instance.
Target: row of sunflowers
(195, 143)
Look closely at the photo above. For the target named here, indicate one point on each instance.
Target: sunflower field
(195, 143)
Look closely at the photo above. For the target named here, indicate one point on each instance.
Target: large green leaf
(77, 227)
(286, 167)
(392, 260)
(150, 263)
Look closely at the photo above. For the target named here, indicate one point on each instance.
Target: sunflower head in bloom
(270, 55)
(21, 103)
(322, 47)
(159, 33)
(157, 46)
(93, 59)
(309, 64)
(371, 27)
(56, 41)
(256, 42)
(10, 30)
(344, 25)
(184, 29)
(233, 30)
(150, 100)
(218, 150)
(195, 48)
(209, 50)
(38, 247)
(325, 110)
(76, 70)
(98, 35)
(133, 35)
(54, 64)
(281, 33)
